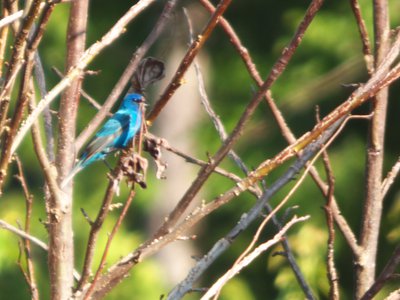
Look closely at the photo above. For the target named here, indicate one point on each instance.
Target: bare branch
(332, 273)
(285, 130)
(391, 176)
(110, 238)
(11, 18)
(362, 28)
(245, 261)
(205, 172)
(23, 234)
(27, 245)
(386, 274)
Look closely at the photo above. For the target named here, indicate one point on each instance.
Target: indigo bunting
(115, 134)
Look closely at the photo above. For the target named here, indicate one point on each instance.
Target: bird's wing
(105, 138)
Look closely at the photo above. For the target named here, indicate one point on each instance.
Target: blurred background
(329, 57)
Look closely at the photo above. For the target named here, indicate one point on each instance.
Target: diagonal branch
(205, 172)
(285, 130)
(362, 28)
(217, 286)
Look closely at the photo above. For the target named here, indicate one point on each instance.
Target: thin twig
(48, 123)
(206, 103)
(110, 238)
(390, 177)
(84, 94)
(191, 53)
(331, 269)
(11, 18)
(3, 39)
(362, 28)
(245, 261)
(165, 144)
(18, 57)
(223, 135)
(16, 60)
(27, 245)
(23, 234)
(386, 274)
(33, 239)
(97, 224)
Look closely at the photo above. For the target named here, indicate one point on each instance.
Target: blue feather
(115, 134)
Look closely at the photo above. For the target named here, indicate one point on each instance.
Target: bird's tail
(77, 168)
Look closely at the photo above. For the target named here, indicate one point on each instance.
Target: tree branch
(372, 212)
(217, 286)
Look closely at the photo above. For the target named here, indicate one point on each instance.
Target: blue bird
(115, 134)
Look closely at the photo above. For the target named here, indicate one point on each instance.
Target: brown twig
(107, 247)
(84, 94)
(223, 135)
(191, 53)
(207, 105)
(164, 144)
(331, 269)
(386, 274)
(27, 244)
(3, 40)
(390, 177)
(17, 60)
(97, 224)
(362, 28)
(49, 170)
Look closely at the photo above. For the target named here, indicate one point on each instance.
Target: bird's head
(133, 97)
(132, 100)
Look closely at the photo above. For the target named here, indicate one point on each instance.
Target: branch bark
(61, 246)
(366, 263)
